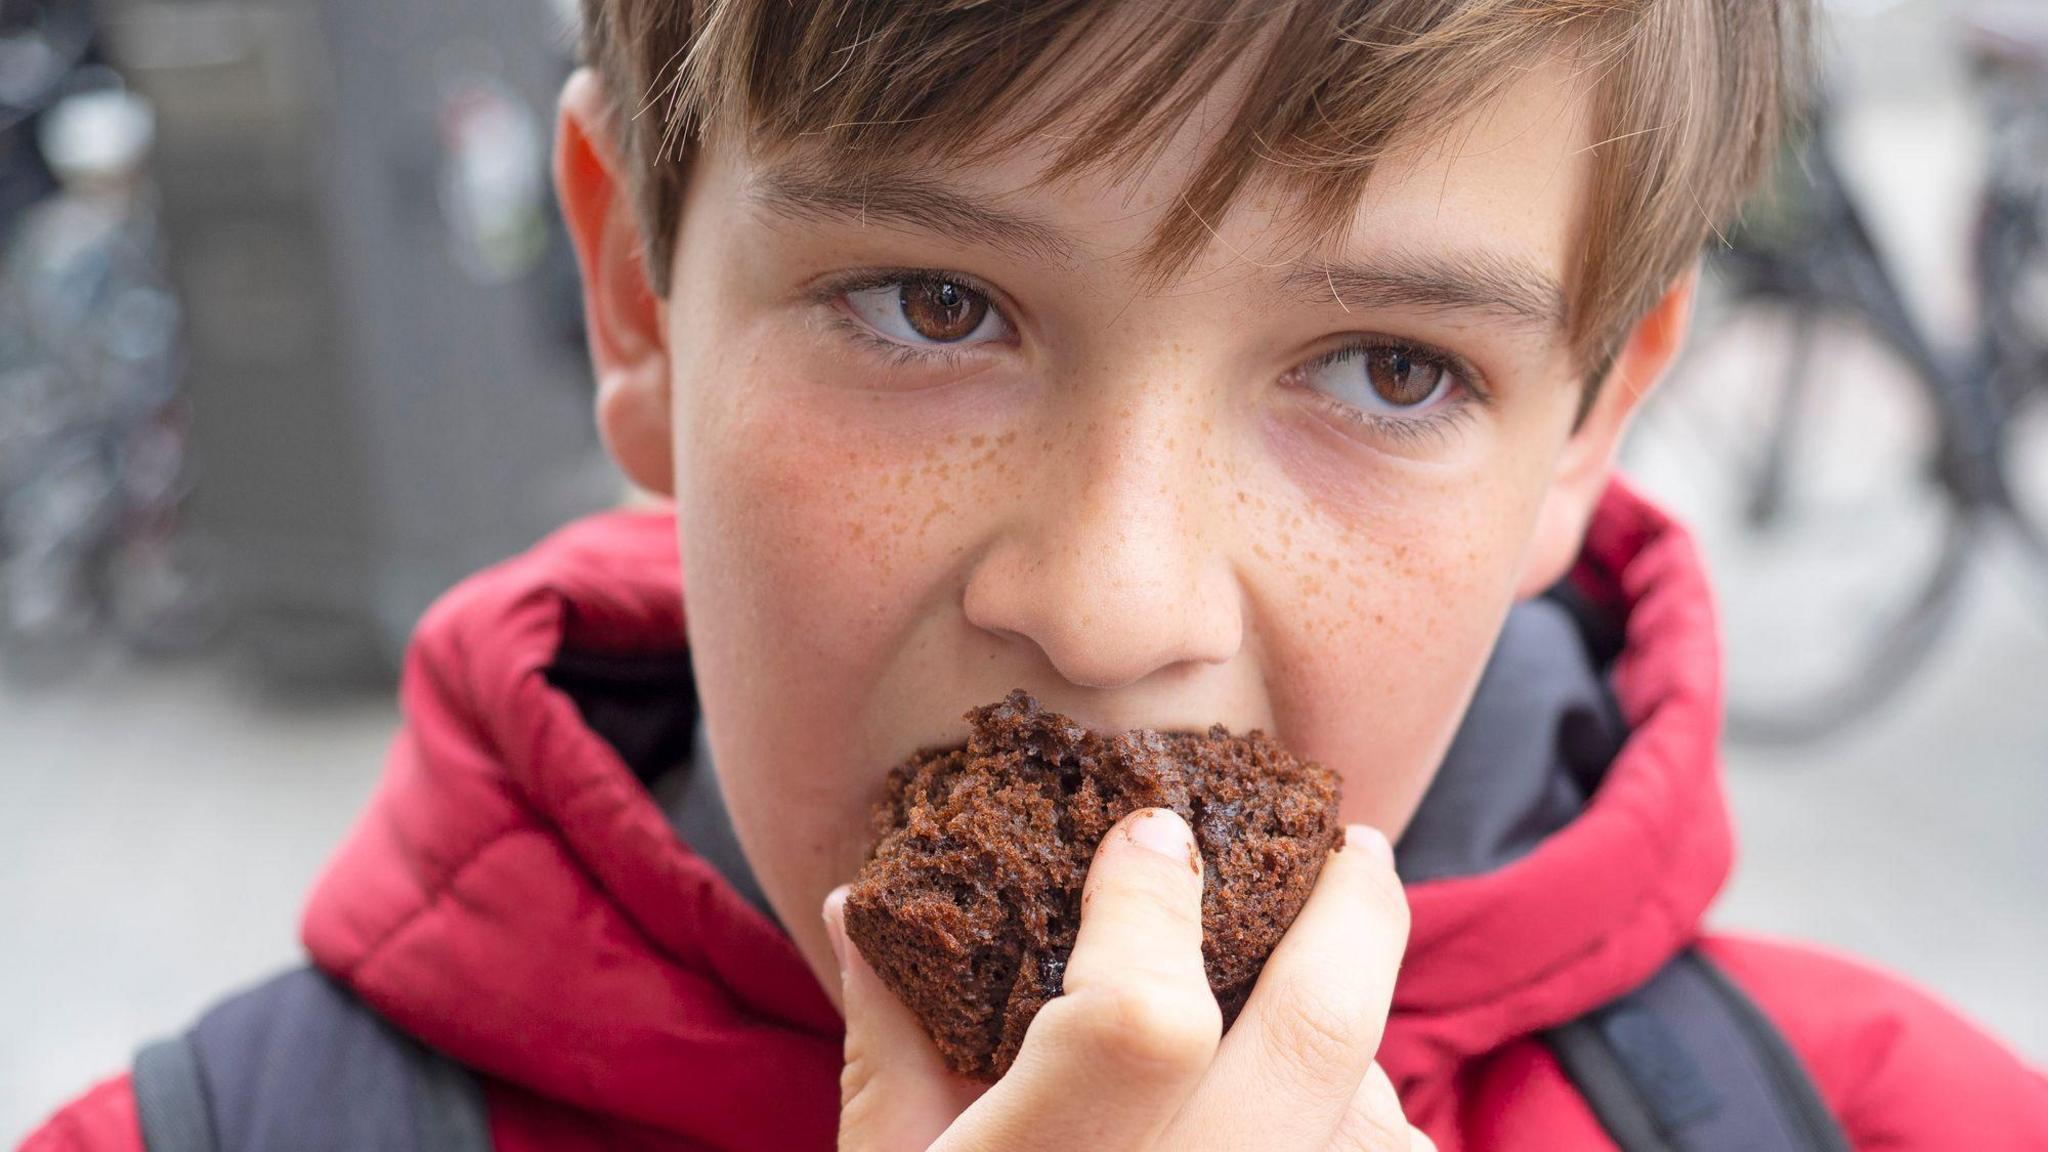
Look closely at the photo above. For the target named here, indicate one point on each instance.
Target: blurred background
(239, 455)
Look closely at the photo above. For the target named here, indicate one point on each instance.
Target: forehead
(1513, 171)
(1498, 188)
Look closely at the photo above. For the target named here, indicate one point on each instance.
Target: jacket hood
(514, 896)
(1593, 909)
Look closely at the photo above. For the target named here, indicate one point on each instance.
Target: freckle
(1259, 550)
(1333, 564)
(976, 440)
(857, 531)
(1169, 443)
(1242, 498)
(1006, 439)
(952, 437)
(903, 480)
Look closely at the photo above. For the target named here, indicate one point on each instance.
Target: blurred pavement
(159, 827)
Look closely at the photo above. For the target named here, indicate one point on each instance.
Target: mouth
(1072, 723)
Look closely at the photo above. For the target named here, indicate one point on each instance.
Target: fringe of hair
(1689, 101)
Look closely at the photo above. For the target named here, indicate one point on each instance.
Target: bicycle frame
(1832, 263)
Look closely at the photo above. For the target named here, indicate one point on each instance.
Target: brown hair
(1688, 101)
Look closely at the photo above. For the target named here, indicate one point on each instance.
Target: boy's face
(940, 435)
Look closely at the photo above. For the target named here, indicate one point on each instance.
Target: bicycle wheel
(1805, 449)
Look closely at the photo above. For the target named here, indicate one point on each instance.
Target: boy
(1183, 363)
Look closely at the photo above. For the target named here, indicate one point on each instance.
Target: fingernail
(1157, 830)
(835, 924)
(1372, 841)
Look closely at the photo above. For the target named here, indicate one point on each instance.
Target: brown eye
(925, 311)
(1400, 379)
(941, 311)
(1385, 381)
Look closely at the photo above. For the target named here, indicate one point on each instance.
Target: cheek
(1384, 584)
(838, 516)
(822, 531)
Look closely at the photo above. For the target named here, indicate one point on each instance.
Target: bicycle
(1842, 466)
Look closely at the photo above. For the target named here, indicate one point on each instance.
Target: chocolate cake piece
(968, 905)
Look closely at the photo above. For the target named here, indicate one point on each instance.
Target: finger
(1296, 1055)
(895, 1091)
(1373, 1121)
(1108, 1063)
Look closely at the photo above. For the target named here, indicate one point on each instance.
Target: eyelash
(1435, 426)
(829, 292)
(1467, 391)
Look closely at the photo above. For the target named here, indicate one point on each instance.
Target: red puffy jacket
(514, 898)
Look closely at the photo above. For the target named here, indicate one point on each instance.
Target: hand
(1129, 1057)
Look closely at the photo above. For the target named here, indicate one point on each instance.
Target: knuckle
(858, 1070)
(1375, 1140)
(1374, 1121)
(1148, 1025)
(1363, 1134)
(1321, 1033)
(861, 1103)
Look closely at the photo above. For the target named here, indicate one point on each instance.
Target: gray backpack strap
(300, 1063)
(448, 1105)
(1688, 1063)
(170, 1099)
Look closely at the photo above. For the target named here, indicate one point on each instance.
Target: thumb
(895, 1092)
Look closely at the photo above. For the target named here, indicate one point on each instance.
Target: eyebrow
(1491, 284)
(907, 200)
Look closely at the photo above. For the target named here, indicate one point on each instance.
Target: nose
(1113, 566)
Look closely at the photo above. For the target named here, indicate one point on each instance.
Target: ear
(627, 329)
(1588, 459)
